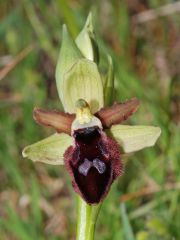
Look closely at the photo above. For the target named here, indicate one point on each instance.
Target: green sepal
(134, 138)
(49, 150)
(83, 81)
(69, 54)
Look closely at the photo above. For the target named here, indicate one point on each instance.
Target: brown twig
(9, 67)
(149, 190)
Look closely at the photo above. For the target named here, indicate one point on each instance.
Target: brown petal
(118, 112)
(59, 120)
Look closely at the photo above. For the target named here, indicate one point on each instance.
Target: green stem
(87, 217)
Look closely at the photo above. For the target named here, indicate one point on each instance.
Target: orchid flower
(90, 139)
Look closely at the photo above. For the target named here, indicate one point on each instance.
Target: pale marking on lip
(96, 163)
(99, 165)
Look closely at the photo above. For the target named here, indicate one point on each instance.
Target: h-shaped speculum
(87, 165)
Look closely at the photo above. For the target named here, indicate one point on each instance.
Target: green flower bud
(69, 54)
(78, 77)
(86, 41)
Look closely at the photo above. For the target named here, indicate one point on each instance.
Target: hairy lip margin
(93, 164)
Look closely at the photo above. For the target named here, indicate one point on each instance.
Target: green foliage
(145, 61)
(127, 229)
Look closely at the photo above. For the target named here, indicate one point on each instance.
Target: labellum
(93, 162)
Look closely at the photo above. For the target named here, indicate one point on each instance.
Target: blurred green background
(36, 200)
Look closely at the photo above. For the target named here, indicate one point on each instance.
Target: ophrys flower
(90, 140)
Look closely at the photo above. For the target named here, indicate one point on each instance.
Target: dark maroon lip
(92, 171)
(90, 163)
